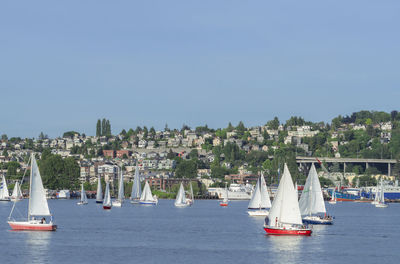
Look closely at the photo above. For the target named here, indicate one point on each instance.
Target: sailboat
(136, 188)
(260, 199)
(225, 201)
(83, 200)
(17, 193)
(191, 200)
(107, 198)
(296, 188)
(333, 197)
(4, 194)
(99, 194)
(181, 200)
(381, 197)
(376, 200)
(284, 216)
(120, 198)
(312, 204)
(147, 198)
(37, 205)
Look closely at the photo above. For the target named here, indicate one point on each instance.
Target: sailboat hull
(258, 212)
(315, 220)
(5, 200)
(106, 207)
(332, 202)
(148, 202)
(381, 205)
(117, 203)
(287, 232)
(32, 226)
(135, 201)
(99, 201)
(81, 203)
(223, 204)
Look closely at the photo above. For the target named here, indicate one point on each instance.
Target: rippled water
(204, 233)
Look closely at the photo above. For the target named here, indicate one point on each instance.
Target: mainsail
(260, 198)
(121, 187)
(180, 197)
(136, 188)
(37, 195)
(146, 195)
(4, 194)
(285, 207)
(83, 195)
(107, 196)
(17, 193)
(311, 199)
(99, 195)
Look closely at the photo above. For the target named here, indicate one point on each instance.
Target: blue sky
(64, 64)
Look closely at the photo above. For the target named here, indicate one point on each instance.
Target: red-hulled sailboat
(38, 207)
(225, 201)
(284, 216)
(107, 198)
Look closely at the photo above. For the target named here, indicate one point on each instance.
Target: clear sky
(64, 64)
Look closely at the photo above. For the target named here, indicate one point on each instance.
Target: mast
(30, 188)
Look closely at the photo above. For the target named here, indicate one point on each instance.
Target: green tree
(186, 169)
(4, 137)
(274, 123)
(98, 128)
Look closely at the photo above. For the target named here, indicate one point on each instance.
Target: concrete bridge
(367, 162)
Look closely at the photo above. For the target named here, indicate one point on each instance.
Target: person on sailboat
(43, 221)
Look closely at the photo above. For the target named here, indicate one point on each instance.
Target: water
(204, 233)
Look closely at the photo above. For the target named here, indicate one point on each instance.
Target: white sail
(285, 207)
(381, 194)
(255, 202)
(17, 193)
(146, 195)
(107, 195)
(311, 199)
(83, 195)
(136, 188)
(99, 194)
(121, 187)
(37, 195)
(226, 199)
(297, 190)
(191, 193)
(265, 199)
(4, 194)
(180, 197)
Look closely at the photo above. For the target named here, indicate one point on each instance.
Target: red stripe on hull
(38, 227)
(345, 200)
(223, 204)
(106, 207)
(290, 232)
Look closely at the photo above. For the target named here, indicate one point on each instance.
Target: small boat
(83, 200)
(38, 206)
(4, 194)
(107, 198)
(381, 197)
(333, 197)
(181, 200)
(225, 201)
(99, 194)
(17, 193)
(120, 199)
(147, 197)
(312, 204)
(284, 216)
(260, 200)
(136, 188)
(376, 199)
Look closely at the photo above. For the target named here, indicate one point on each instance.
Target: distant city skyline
(66, 64)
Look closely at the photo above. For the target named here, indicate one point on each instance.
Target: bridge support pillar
(389, 169)
(366, 165)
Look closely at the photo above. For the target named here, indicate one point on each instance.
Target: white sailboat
(107, 197)
(381, 197)
(120, 198)
(181, 200)
(225, 201)
(191, 200)
(99, 194)
(17, 193)
(312, 204)
(284, 216)
(83, 200)
(333, 197)
(377, 194)
(136, 188)
(147, 197)
(260, 199)
(296, 188)
(37, 207)
(4, 194)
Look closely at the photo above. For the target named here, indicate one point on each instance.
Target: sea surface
(203, 233)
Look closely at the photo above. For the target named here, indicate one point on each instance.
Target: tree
(186, 169)
(394, 115)
(70, 134)
(98, 128)
(274, 123)
(145, 132)
(42, 136)
(103, 127)
(194, 154)
(166, 128)
(240, 129)
(4, 137)
(230, 128)
(5, 153)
